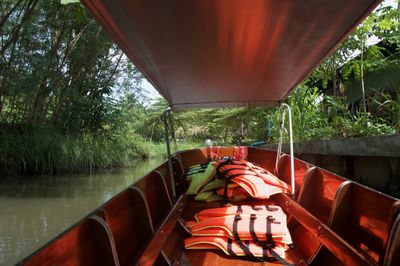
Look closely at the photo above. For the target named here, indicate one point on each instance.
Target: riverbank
(43, 151)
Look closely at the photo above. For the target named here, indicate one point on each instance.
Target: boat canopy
(221, 53)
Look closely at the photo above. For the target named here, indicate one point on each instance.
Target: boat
(223, 53)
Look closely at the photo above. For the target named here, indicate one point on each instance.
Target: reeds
(42, 151)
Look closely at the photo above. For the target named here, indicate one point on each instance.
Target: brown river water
(33, 210)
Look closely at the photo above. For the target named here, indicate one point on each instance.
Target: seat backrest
(300, 171)
(129, 219)
(316, 193)
(156, 193)
(319, 191)
(364, 217)
(89, 243)
(392, 256)
(264, 158)
(177, 166)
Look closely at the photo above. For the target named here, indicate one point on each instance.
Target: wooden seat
(157, 196)
(319, 192)
(89, 243)
(316, 194)
(392, 257)
(130, 222)
(177, 166)
(264, 158)
(364, 217)
(300, 170)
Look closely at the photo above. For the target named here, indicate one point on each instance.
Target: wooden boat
(208, 54)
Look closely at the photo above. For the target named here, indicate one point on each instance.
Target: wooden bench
(163, 233)
(300, 170)
(392, 256)
(364, 218)
(129, 219)
(157, 196)
(316, 195)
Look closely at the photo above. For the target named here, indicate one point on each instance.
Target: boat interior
(331, 219)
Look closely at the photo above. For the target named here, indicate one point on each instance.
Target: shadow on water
(36, 209)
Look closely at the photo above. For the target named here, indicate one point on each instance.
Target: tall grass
(42, 151)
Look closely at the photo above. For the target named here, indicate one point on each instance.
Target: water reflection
(36, 209)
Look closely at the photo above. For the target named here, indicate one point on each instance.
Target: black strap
(236, 175)
(270, 239)
(270, 209)
(253, 234)
(243, 246)
(229, 161)
(225, 172)
(239, 209)
(271, 243)
(256, 208)
(196, 172)
(200, 166)
(230, 251)
(225, 198)
(266, 246)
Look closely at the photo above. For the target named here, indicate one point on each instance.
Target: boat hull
(331, 219)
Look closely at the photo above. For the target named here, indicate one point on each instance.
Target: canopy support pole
(284, 107)
(166, 118)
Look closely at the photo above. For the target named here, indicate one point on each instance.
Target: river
(33, 210)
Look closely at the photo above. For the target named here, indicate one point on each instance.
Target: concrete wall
(372, 161)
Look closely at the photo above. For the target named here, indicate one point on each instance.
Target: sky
(153, 94)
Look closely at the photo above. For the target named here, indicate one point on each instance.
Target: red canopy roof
(216, 53)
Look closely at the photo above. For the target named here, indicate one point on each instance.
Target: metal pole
(171, 125)
(292, 183)
(166, 118)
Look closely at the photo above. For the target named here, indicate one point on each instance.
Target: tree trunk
(362, 75)
(398, 13)
(334, 77)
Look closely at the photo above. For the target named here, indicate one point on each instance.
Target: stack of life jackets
(257, 232)
(233, 180)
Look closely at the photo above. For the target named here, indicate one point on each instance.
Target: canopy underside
(221, 53)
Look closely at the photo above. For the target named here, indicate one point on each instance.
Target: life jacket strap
(256, 208)
(239, 209)
(242, 245)
(270, 244)
(195, 172)
(271, 209)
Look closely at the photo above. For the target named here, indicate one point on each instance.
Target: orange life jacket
(256, 181)
(259, 210)
(232, 247)
(253, 231)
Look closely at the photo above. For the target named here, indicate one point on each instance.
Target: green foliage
(58, 69)
(70, 100)
(44, 151)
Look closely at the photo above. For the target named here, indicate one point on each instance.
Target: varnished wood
(156, 244)
(363, 218)
(155, 190)
(300, 171)
(344, 217)
(332, 241)
(264, 158)
(88, 243)
(130, 222)
(392, 257)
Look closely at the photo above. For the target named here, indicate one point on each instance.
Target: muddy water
(33, 210)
